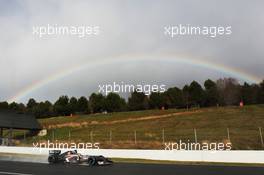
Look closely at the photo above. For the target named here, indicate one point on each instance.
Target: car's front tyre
(51, 159)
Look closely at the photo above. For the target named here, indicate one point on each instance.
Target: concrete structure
(11, 120)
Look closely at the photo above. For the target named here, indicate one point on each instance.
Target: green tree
(211, 93)
(73, 105)
(156, 100)
(83, 105)
(249, 93)
(174, 97)
(115, 103)
(61, 106)
(31, 103)
(196, 93)
(14, 106)
(43, 110)
(137, 101)
(18, 107)
(50, 108)
(261, 93)
(22, 108)
(97, 103)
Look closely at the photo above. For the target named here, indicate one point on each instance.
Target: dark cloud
(128, 28)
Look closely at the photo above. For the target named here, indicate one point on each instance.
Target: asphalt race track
(23, 168)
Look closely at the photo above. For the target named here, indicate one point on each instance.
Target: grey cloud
(127, 28)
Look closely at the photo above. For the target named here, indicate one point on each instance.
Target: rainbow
(170, 58)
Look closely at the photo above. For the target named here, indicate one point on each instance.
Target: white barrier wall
(198, 156)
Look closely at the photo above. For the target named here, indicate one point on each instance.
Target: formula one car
(72, 157)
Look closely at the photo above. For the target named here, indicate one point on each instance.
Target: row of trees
(223, 92)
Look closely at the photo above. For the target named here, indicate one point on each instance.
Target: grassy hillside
(148, 129)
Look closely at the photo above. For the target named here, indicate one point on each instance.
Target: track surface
(22, 168)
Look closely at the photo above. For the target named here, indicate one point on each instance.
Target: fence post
(24, 135)
(69, 134)
(163, 136)
(91, 136)
(53, 135)
(261, 137)
(135, 134)
(110, 137)
(195, 135)
(228, 134)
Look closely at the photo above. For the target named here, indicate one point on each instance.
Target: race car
(72, 157)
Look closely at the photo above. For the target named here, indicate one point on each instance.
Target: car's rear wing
(54, 152)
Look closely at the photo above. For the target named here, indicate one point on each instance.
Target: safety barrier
(172, 155)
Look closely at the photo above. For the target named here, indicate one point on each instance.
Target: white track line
(13, 173)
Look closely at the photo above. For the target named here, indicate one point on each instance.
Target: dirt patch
(85, 124)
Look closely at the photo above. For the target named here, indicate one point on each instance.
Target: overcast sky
(129, 30)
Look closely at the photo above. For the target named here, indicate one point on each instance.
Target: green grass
(211, 125)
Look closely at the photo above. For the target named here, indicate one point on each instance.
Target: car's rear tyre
(92, 161)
